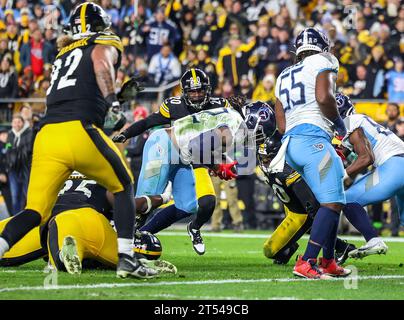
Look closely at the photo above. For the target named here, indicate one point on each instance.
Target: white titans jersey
(192, 126)
(385, 144)
(295, 89)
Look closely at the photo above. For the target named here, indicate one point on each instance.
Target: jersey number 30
(71, 63)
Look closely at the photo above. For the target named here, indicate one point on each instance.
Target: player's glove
(115, 118)
(237, 102)
(119, 138)
(129, 90)
(226, 171)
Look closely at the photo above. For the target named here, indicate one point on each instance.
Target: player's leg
(50, 167)
(322, 169)
(217, 215)
(98, 158)
(205, 193)
(400, 205)
(282, 243)
(27, 249)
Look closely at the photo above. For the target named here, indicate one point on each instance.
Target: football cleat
(161, 266)
(69, 256)
(308, 269)
(284, 256)
(331, 268)
(373, 246)
(342, 255)
(196, 238)
(131, 267)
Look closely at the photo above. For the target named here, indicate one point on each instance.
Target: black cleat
(131, 267)
(341, 255)
(196, 238)
(284, 256)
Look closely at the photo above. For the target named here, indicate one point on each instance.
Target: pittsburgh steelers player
(79, 228)
(80, 96)
(196, 96)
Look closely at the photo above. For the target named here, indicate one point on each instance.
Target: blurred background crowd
(241, 45)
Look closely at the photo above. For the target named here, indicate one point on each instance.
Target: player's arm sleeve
(324, 62)
(155, 119)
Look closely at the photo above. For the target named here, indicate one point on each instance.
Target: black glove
(120, 138)
(115, 119)
(129, 90)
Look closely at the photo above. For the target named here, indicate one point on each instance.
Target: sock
(163, 219)
(124, 213)
(206, 207)
(125, 246)
(3, 247)
(323, 225)
(329, 248)
(358, 217)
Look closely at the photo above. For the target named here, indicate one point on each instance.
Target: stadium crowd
(242, 46)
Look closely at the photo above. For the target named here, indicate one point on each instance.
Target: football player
(307, 114)
(81, 94)
(195, 97)
(385, 151)
(201, 138)
(79, 228)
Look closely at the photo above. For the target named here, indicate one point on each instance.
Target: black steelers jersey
(82, 193)
(74, 93)
(292, 190)
(171, 109)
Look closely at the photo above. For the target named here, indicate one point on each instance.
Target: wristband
(112, 100)
(346, 176)
(149, 204)
(339, 125)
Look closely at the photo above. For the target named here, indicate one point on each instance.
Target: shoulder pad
(322, 62)
(109, 39)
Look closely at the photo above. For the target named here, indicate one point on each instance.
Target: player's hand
(129, 90)
(227, 171)
(115, 118)
(119, 138)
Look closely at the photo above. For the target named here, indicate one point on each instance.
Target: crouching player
(80, 229)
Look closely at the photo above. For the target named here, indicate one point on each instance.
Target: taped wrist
(112, 100)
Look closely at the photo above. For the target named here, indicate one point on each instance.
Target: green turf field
(232, 268)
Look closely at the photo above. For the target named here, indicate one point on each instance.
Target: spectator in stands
(208, 33)
(395, 82)
(19, 158)
(393, 115)
(400, 128)
(279, 50)
(204, 62)
(362, 89)
(265, 90)
(246, 87)
(36, 53)
(8, 87)
(4, 181)
(164, 67)
(158, 32)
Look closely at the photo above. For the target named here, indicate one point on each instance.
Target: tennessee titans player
(382, 183)
(306, 112)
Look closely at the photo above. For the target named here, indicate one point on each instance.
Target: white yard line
(183, 283)
(264, 236)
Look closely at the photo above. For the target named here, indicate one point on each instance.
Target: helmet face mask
(196, 89)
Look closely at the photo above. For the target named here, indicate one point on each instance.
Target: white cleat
(69, 256)
(196, 238)
(373, 246)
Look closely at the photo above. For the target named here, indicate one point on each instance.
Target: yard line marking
(263, 236)
(197, 282)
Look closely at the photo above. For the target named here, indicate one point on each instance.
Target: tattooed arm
(104, 58)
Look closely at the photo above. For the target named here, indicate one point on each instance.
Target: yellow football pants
(29, 248)
(63, 147)
(285, 233)
(94, 235)
(203, 185)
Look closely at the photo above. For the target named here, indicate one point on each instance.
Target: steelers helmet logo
(195, 83)
(263, 113)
